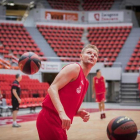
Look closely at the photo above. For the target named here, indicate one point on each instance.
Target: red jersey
(99, 85)
(138, 82)
(71, 95)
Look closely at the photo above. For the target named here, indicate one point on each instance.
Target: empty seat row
(65, 5)
(90, 5)
(28, 102)
(59, 28)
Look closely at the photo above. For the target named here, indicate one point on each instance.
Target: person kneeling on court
(65, 97)
(15, 90)
(100, 91)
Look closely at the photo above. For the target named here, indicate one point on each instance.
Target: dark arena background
(57, 30)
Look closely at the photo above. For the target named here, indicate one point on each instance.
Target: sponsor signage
(50, 67)
(61, 16)
(110, 16)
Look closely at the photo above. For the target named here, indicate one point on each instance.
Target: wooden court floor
(95, 129)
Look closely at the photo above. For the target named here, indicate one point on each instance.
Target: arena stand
(94, 5)
(32, 91)
(64, 4)
(87, 5)
(134, 65)
(109, 40)
(15, 39)
(65, 41)
(5, 64)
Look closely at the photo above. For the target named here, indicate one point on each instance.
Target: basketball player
(100, 91)
(15, 90)
(0, 102)
(65, 97)
(138, 80)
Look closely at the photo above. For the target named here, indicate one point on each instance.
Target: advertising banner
(109, 16)
(50, 67)
(49, 15)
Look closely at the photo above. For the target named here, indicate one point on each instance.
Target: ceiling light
(32, 2)
(10, 3)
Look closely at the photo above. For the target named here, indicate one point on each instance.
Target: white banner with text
(50, 67)
(109, 16)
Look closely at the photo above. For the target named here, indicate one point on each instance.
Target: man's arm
(66, 75)
(16, 95)
(104, 85)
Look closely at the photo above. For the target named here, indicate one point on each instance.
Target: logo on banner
(109, 16)
(97, 16)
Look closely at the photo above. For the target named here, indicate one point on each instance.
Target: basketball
(122, 128)
(29, 63)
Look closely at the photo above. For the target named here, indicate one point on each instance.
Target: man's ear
(80, 56)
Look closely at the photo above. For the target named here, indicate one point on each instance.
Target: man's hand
(66, 121)
(19, 100)
(84, 115)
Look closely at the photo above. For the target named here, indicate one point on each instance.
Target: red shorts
(100, 97)
(49, 126)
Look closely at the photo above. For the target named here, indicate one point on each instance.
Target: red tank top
(138, 82)
(99, 85)
(71, 95)
(139, 79)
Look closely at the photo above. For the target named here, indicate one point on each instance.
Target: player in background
(0, 102)
(138, 81)
(100, 91)
(16, 91)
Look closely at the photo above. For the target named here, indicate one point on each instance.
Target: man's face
(89, 56)
(99, 73)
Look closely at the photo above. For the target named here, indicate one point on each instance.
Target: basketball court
(95, 129)
(38, 38)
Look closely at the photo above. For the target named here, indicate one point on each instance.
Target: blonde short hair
(90, 46)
